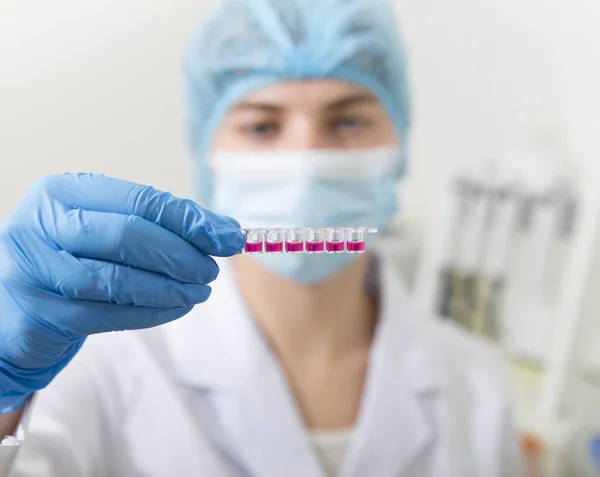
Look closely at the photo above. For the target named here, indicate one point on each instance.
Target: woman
(297, 365)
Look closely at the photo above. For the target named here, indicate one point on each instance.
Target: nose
(305, 133)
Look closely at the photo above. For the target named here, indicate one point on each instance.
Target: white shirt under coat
(205, 396)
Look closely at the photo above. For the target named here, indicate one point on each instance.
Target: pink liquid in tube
(355, 246)
(315, 247)
(335, 247)
(294, 247)
(253, 247)
(274, 247)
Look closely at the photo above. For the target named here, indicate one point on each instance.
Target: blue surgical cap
(245, 45)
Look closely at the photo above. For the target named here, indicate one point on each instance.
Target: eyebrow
(351, 101)
(333, 106)
(270, 108)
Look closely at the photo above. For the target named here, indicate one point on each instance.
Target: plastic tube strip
(306, 240)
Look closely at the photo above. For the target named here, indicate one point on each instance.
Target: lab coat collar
(393, 427)
(218, 346)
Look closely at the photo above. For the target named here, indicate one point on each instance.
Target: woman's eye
(350, 123)
(261, 129)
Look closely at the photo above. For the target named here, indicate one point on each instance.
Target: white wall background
(94, 86)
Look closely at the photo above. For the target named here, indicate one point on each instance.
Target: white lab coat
(204, 396)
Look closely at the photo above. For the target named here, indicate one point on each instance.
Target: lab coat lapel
(267, 426)
(394, 427)
(255, 406)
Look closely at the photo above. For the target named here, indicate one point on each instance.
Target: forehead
(307, 94)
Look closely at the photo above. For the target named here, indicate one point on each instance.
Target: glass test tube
(315, 241)
(274, 241)
(254, 241)
(294, 241)
(334, 240)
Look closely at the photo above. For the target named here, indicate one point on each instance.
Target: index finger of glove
(211, 233)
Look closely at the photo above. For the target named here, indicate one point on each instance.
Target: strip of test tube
(335, 241)
(315, 241)
(294, 241)
(307, 240)
(274, 240)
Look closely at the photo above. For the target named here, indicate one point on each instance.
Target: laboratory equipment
(356, 240)
(505, 209)
(534, 268)
(530, 306)
(465, 272)
(315, 241)
(274, 241)
(254, 241)
(294, 241)
(307, 240)
(334, 242)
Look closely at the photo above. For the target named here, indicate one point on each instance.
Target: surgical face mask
(307, 188)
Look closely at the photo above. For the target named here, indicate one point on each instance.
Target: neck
(331, 318)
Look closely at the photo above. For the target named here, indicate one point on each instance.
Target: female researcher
(297, 365)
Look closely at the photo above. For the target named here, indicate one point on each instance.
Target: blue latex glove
(85, 254)
(595, 453)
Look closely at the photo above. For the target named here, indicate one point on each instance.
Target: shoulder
(461, 346)
(440, 351)
(470, 363)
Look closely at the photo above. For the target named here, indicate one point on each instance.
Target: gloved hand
(86, 254)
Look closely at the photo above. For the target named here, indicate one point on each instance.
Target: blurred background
(506, 144)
